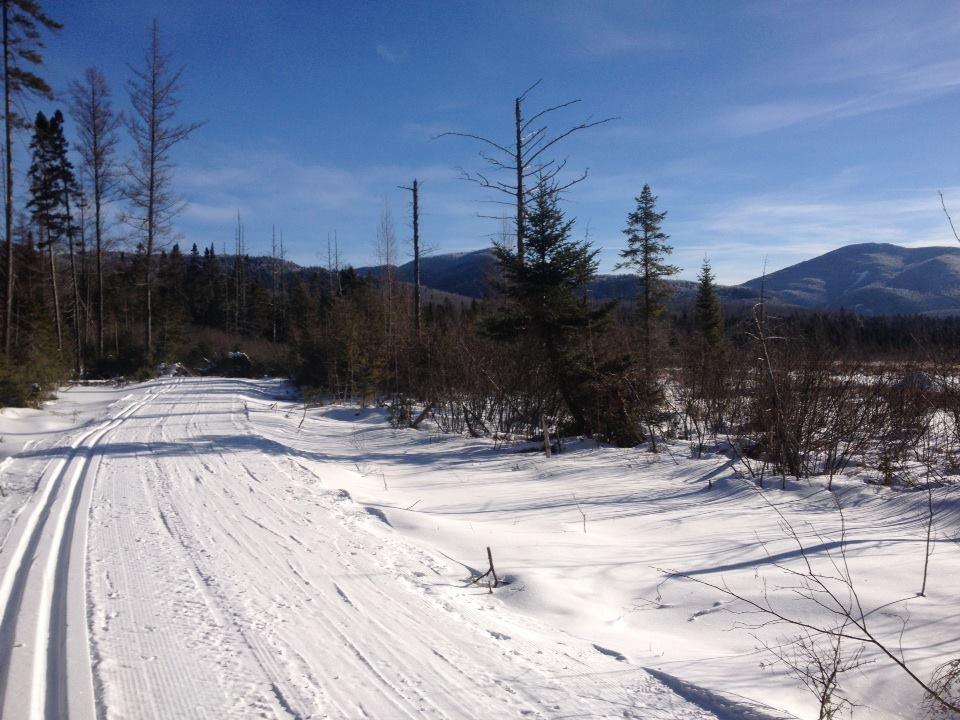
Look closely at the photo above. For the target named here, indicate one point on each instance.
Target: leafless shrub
(819, 662)
(827, 589)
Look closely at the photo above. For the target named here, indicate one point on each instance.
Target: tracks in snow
(228, 578)
(43, 627)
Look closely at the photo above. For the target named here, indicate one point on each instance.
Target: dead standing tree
(524, 158)
(417, 314)
(154, 102)
(97, 125)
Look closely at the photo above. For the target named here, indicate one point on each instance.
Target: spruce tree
(544, 289)
(69, 190)
(646, 254)
(709, 313)
(52, 186)
(44, 205)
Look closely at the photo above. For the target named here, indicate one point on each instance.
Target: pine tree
(646, 253)
(544, 289)
(52, 187)
(709, 313)
(45, 206)
(68, 189)
(22, 20)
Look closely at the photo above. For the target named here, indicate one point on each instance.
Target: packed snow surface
(205, 548)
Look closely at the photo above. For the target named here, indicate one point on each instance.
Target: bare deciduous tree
(417, 314)
(97, 125)
(153, 97)
(523, 157)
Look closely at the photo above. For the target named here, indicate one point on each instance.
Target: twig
(581, 513)
(491, 572)
(943, 204)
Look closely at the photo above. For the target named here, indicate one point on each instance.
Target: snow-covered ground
(195, 548)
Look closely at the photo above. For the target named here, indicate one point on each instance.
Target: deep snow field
(191, 548)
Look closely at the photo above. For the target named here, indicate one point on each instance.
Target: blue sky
(767, 129)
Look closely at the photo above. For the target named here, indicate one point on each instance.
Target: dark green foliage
(46, 197)
(546, 309)
(646, 252)
(708, 311)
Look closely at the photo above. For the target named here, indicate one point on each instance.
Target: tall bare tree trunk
(518, 120)
(148, 265)
(56, 297)
(77, 342)
(8, 182)
(98, 221)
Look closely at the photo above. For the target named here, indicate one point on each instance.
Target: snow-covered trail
(178, 562)
(43, 633)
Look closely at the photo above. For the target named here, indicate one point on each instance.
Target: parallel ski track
(49, 694)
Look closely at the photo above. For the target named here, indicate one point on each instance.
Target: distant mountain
(465, 273)
(871, 279)
(470, 274)
(867, 278)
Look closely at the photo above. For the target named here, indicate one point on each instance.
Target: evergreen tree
(546, 306)
(646, 254)
(22, 20)
(709, 313)
(66, 182)
(45, 205)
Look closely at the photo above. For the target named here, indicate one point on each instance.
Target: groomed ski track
(195, 555)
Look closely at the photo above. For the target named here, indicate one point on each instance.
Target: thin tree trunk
(927, 552)
(56, 298)
(77, 343)
(518, 119)
(546, 435)
(8, 184)
(99, 232)
(416, 258)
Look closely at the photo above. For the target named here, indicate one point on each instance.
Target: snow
(186, 548)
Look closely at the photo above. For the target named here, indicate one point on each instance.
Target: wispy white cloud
(425, 130)
(905, 87)
(307, 199)
(392, 55)
(878, 58)
(604, 29)
(791, 228)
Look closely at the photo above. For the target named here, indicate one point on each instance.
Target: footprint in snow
(717, 606)
(618, 656)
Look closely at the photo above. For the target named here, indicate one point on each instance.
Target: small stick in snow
(491, 571)
(546, 435)
(581, 513)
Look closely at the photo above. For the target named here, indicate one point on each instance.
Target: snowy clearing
(188, 548)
